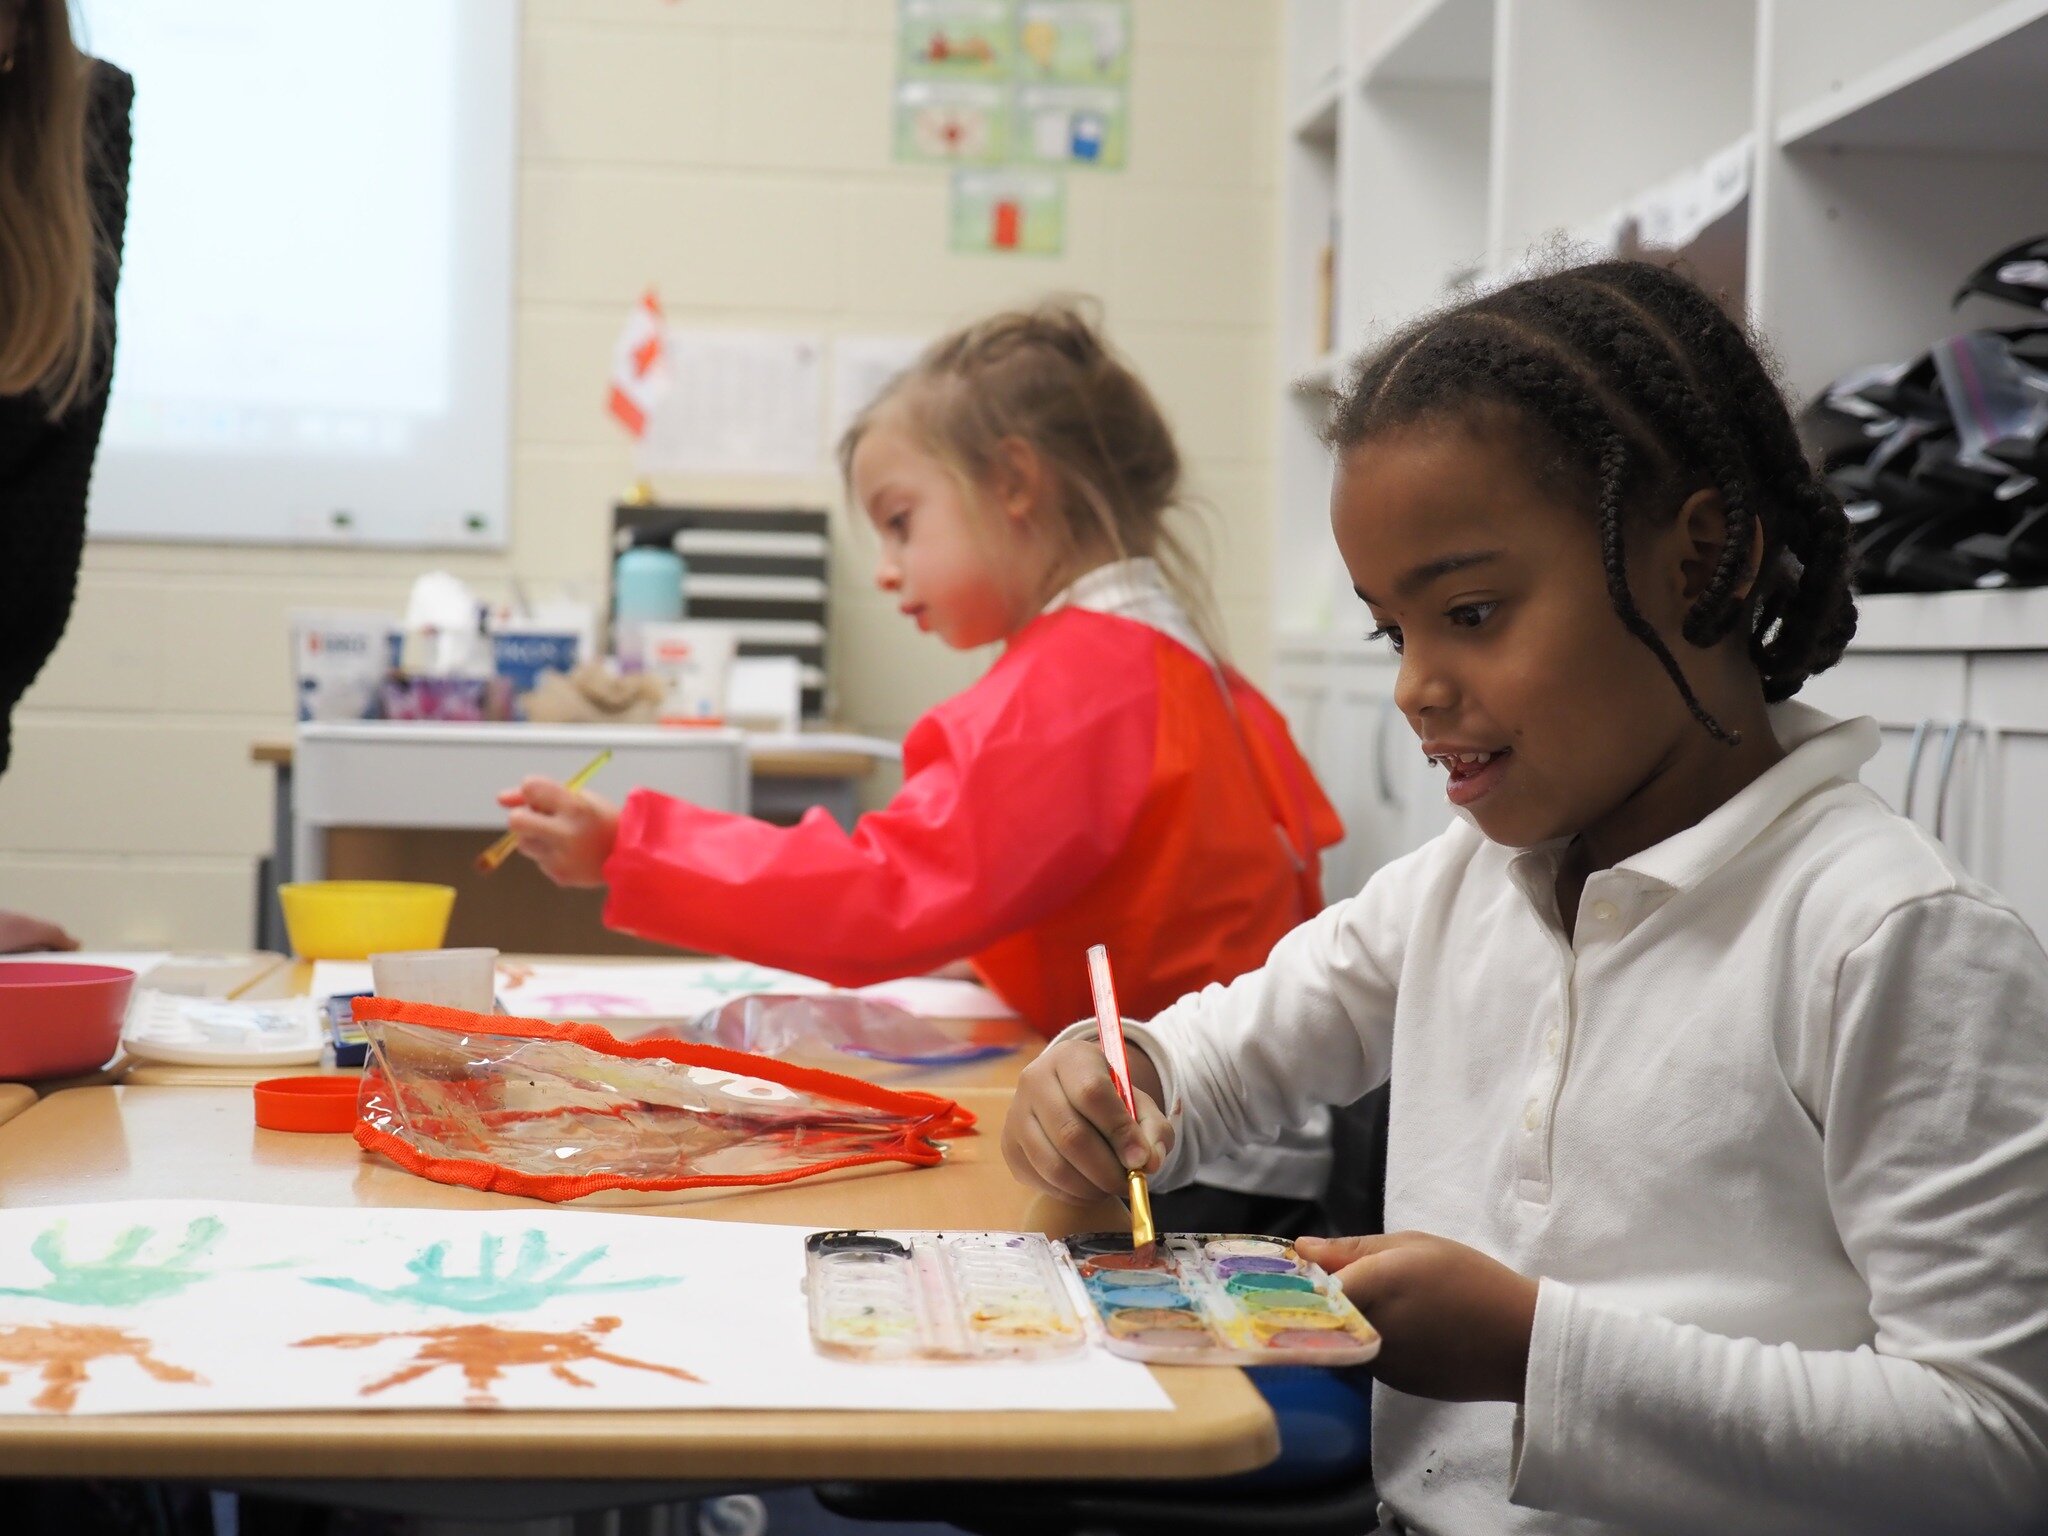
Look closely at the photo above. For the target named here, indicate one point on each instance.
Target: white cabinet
(1915, 698)
(2008, 781)
(1958, 684)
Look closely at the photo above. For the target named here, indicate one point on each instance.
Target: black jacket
(46, 466)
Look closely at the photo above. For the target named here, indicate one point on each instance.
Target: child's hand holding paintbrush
(563, 828)
(1068, 1133)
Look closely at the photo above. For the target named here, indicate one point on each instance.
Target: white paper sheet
(682, 989)
(743, 402)
(337, 978)
(206, 1306)
(936, 997)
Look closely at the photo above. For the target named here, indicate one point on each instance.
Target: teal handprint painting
(122, 1276)
(536, 1275)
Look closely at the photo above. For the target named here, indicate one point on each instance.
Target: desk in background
(97, 1144)
(386, 803)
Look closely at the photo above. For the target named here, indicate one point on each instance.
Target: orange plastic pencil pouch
(559, 1111)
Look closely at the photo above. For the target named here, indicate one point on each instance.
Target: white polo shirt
(1771, 1124)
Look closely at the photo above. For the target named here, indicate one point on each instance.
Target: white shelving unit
(1834, 166)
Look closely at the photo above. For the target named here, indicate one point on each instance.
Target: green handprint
(119, 1277)
(525, 1286)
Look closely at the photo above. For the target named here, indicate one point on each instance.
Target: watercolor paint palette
(938, 1296)
(1196, 1298)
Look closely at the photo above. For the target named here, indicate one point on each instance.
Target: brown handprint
(483, 1353)
(64, 1351)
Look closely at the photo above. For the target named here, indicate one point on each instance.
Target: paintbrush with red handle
(1112, 1027)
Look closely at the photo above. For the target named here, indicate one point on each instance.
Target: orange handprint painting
(64, 1352)
(484, 1352)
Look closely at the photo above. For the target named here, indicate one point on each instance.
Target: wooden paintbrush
(501, 850)
(1112, 1025)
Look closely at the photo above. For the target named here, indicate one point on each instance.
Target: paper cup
(694, 661)
(450, 978)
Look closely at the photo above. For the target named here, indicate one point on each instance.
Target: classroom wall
(735, 153)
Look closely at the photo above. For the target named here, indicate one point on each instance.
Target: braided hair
(1643, 392)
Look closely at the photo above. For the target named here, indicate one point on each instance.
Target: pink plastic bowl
(58, 1019)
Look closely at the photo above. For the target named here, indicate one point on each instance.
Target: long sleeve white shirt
(1770, 1123)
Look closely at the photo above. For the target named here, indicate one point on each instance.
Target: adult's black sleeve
(46, 466)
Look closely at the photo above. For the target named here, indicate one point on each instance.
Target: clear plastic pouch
(796, 1024)
(561, 1111)
(1198, 1298)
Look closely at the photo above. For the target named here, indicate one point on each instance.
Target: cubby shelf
(1976, 88)
(1833, 167)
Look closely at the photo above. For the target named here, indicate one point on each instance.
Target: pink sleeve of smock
(1016, 796)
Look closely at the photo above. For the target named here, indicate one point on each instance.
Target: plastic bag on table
(793, 1024)
(560, 1111)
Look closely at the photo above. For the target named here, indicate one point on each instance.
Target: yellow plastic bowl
(354, 919)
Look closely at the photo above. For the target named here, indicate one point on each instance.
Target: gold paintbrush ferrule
(1142, 1233)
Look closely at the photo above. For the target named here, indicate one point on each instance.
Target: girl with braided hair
(1717, 1175)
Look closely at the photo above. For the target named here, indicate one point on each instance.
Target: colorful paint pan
(1121, 1261)
(1134, 1320)
(1309, 1341)
(1250, 1299)
(1192, 1298)
(1171, 1297)
(1250, 1265)
(1129, 1279)
(1248, 1247)
(1244, 1285)
(1279, 1319)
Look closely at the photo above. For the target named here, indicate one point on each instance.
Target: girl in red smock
(1109, 780)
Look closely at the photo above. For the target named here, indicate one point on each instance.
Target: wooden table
(97, 1144)
(294, 978)
(14, 1098)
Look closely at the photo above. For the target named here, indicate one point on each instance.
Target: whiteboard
(315, 310)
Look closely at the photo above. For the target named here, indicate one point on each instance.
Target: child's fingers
(510, 798)
(1157, 1131)
(1084, 1079)
(1045, 1153)
(532, 829)
(545, 795)
(1357, 1262)
(1335, 1253)
(1080, 1146)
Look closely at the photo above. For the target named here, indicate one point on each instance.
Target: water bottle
(647, 588)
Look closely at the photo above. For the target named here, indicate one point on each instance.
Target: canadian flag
(640, 375)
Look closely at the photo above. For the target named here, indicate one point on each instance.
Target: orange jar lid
(307, 1103)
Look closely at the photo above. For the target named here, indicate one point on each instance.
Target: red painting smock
(1103, 783)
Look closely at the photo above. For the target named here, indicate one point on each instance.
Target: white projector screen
(316, 294)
